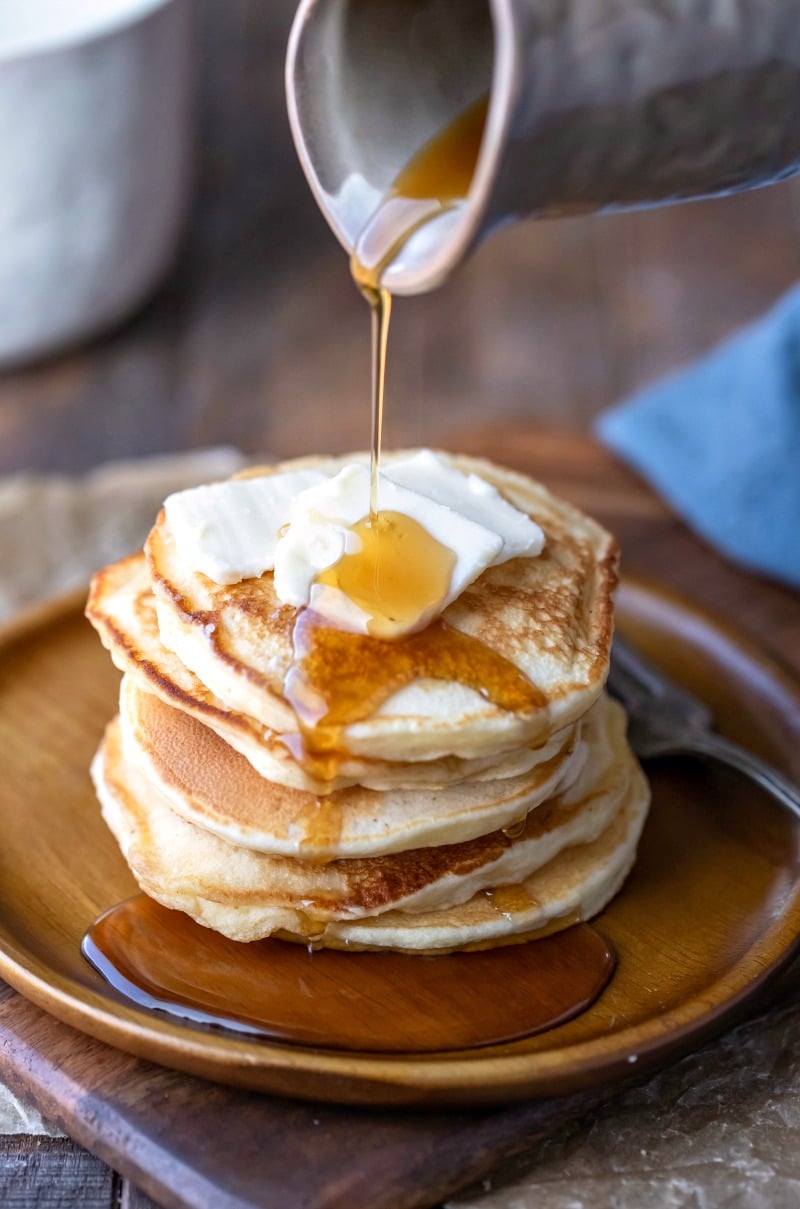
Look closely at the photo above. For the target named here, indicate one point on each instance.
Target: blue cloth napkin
(721, 442)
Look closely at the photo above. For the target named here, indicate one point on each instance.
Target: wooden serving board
(191, 1143)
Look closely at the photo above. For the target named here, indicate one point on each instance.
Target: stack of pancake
(439, 819)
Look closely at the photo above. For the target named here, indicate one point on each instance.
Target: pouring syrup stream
(436, 178)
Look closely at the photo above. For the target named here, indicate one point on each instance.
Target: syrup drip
(320, 824)
(508, 901)
(383, 1002)
(338, 678)
(434, 180)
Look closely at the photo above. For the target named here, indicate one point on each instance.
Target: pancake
(248, 895)
(575, 886)
(121, 607)
(210, 784)
(550, 617)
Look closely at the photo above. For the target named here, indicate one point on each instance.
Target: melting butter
(453, 526)
(384, 575)
(228, 531)
(399, 573)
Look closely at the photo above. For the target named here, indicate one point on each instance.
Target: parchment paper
(54, 532)
(716, 1131)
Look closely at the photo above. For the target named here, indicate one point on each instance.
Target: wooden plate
(711, 912)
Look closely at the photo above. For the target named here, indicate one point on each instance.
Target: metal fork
(665, 719)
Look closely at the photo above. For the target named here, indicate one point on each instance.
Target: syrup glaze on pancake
(122, 609)
(547, 617)
(182, 864)
(210, 784)
(338, 679)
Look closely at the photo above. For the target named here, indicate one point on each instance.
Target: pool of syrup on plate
(162, 960)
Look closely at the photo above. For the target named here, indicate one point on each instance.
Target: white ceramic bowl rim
(29, 27)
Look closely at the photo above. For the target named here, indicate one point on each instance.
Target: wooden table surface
(259, 340)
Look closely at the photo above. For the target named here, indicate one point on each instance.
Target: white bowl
(95, 150)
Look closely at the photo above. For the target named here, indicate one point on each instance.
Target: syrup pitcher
(583, 105)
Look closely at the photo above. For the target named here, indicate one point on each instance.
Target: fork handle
(758, 770)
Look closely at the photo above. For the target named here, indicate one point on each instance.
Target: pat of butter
(229, 531)
(320, 528)
(301, 524)
(431, 475)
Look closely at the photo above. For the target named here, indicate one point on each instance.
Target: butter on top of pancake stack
(385, 733)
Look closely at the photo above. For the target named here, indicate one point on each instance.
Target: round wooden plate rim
(485, 1075)
(736, 641)
(669, 1034)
